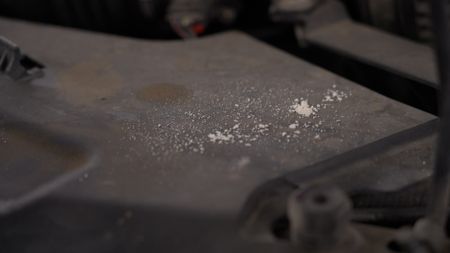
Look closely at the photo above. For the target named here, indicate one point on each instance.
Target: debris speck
(263, 128)
(244, 161)
(220, 137)
(303, 108)
(334, 95)
(293, 125)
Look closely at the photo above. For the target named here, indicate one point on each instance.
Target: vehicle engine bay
(224, 126)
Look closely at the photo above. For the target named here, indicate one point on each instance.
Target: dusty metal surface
(185, 129)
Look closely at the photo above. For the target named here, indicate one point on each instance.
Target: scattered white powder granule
(328, 98)
(334, 95)
(244, 161)
(170, 139)
(220, 137)
(262, 128)
(303, 108)
(293, 125)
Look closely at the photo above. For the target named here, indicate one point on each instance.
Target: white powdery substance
(293, 125)
(165, 142)
(245, 127)
(220, 137)
(303, 108)
(239, 135)
(263, 128)
(334, 95)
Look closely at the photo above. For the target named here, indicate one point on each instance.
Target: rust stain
(89, 81)
(164, 93)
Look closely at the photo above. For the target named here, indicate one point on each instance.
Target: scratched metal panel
(188, 126)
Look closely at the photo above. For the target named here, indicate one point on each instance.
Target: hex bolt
(319, 217)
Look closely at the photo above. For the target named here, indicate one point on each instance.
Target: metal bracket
(327, 25)
(16, 65)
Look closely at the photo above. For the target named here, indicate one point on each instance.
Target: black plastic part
(440, 193)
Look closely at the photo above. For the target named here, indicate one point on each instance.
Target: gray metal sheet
(191, 125)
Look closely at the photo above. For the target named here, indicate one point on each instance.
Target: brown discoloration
(164, 93)
(89, 81)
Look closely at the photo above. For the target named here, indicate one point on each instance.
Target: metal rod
(440, 192)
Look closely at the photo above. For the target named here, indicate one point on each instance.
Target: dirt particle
(303, 108)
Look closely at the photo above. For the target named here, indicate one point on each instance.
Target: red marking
(198, 28)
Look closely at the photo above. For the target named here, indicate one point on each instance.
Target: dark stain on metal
(89, 81)
(36, 161)
(164, 93)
